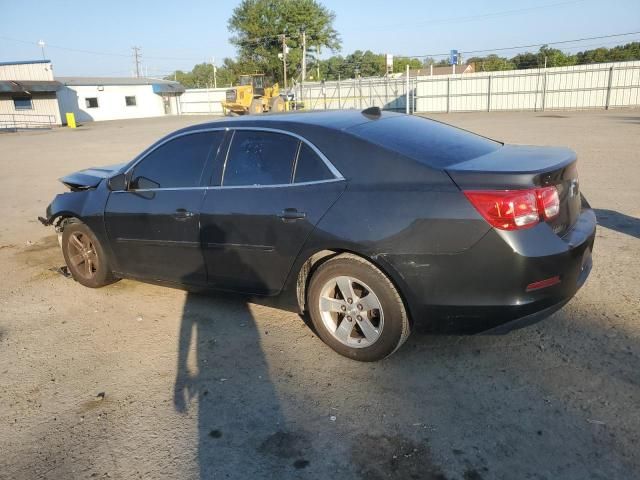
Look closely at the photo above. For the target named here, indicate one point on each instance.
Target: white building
(104, 98)
(28, 95)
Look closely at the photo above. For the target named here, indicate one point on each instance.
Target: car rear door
(272, 190)
(153, 225)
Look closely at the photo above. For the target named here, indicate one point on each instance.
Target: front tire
(356, 310)
(85, 257)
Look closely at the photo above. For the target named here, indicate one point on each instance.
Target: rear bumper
(485, 287)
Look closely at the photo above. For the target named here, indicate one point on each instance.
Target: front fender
(85, 205)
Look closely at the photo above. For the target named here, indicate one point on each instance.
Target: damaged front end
(84, 202)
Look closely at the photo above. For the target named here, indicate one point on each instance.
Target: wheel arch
(317, 258)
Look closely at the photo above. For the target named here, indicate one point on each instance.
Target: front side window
(310, 167)
(130, 101)
(22, 103)
(91, 102)
(177, 163)
(260, 158)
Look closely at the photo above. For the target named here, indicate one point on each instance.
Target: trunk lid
(90, 178)
(515, 167)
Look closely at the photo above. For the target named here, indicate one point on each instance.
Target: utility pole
(215, 70)
(304, 56)
(318, 63)
(284, 59)
(137, 58)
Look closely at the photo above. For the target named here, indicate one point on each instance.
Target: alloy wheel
(83, 255)
(351, 312)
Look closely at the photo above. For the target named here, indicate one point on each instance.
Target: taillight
(515, 209)
(548, 202)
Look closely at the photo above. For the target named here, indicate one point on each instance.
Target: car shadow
(223, 379)
(618, 221)
(271, 401)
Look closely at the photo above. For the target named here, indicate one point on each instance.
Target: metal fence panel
(610, 85)
(607, 85)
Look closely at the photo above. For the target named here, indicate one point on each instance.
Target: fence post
(448, 90)
(386, 92)
(606, 107)
(406, 98)
(370, 93)
(489, 95)
(324, 94)
(339, 95)
(544, 90)
(360, 91)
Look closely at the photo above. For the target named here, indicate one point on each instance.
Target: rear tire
(276, 104)
(85, 257)
(256, 107)
(356, 310)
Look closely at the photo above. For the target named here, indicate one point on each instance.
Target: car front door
(153, 225)
(273, 190)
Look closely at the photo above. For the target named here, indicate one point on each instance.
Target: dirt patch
(384, 457)
(286, 444)
(43, 253)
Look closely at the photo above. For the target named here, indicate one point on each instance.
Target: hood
(91, 177)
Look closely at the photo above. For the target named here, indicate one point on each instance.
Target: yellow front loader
(253, 96)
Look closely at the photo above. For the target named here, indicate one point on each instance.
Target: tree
(258, 25)
(201, 76)
(555, 57)
(492, 63)
(400, 64)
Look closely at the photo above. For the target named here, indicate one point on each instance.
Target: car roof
(331, 119)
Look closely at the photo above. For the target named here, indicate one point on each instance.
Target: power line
(93, 52)
(470, 18)
(468, 52)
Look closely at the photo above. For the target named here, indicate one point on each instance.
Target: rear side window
(260, 158)
(310, 167)
(433, 143)
(178, 163)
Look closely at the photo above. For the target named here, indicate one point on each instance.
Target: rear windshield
(433, 143)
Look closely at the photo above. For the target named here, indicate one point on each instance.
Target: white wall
(202, 101)
(44, 111)
(561, 88)
(27, 71)
(111, 102)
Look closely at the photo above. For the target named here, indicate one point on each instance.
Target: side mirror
(143, 183)
(117, 183)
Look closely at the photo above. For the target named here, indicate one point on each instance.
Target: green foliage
(492, 63)
(552, 57)
(257, 26)
(400, 64)
(202, 76)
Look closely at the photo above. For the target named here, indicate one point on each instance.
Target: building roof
(24, 62)
(29, 86)
(89, 81)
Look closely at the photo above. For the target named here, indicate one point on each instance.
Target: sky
(91, 38)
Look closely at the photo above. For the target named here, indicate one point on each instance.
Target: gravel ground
(140, 381)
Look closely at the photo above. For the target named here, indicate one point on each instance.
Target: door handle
(182, 214)
(291, 215)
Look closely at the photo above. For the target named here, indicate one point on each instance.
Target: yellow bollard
(71, 120)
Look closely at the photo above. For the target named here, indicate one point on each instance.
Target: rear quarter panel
(395, 211)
